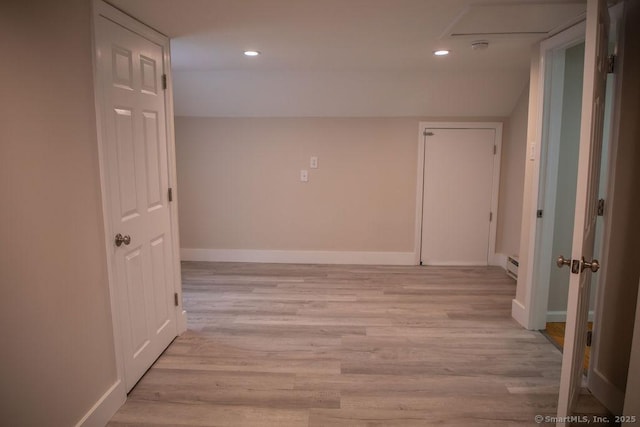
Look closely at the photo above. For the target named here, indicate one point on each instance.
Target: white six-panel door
(584, 231)
(130, 70)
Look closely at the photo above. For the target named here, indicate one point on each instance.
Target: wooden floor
(555, 332)
(302, 345)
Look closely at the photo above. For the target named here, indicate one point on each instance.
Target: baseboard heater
(512, 266)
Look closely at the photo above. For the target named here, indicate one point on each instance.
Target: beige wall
(342, 92)
(57, 356)
(240, 189)
(514, 146)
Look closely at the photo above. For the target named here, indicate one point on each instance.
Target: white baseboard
(561, 316)
(519, 313)
(298, 257)
(610, 396)
(182, 322)
(499, 260)
(102, 411)
(454, 264)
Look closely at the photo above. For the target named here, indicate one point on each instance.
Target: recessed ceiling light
(251, 53)
(441, 52)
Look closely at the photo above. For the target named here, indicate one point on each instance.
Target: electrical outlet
(313, 163)
(304, 175)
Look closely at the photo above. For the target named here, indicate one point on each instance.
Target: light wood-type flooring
(555, 332)
(318, 345)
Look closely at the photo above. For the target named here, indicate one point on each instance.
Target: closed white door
(458, 183)
(584, 230)
(130, 70)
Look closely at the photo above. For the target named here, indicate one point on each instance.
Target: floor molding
(182, 321)
(298, 257)
(612, 397)
(519, 313)
(102, 411)
(499, 260)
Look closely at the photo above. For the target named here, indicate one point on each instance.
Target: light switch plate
(304, 175)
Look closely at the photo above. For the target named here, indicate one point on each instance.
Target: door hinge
(601, 207)
(539, 213)
(589, 338)
(170, 194)
(425, 133)
(490, 216)
(175, 299)
(164, 81)
(495, 150)
(611, 64)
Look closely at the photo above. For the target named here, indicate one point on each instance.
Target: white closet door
(458, 181)
(130, 69)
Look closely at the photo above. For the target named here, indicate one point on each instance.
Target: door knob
(561, 261)
(593, 265)
(120, 239)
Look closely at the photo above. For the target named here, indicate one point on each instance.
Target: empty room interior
(320, 213)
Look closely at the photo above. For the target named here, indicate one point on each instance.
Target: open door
(584, 231)
(133, 116)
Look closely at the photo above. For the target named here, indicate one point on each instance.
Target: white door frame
(102, 9)
(538, 293)
(494, 259)
(533, 313)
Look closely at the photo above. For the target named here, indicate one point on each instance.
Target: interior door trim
(494, 259)
(531, 310)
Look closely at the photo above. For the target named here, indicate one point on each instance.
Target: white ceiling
(350, 57)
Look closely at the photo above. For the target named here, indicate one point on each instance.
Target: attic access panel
(514, 19)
